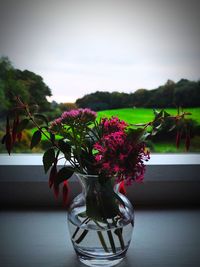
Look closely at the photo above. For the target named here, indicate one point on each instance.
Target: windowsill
(170, 179)
(156, 159)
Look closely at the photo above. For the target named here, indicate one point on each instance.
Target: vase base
(100, 261)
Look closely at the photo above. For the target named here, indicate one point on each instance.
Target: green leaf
(64, 174)
(36, 138)
(64, 147)
(33, 108)
(166, 114)
(22, 125)
(158, 114)
(48, 159)
(135, 134)
(41, 117)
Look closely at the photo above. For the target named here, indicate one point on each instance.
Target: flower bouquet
(105, 154)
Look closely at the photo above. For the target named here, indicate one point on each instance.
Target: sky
(81, 46)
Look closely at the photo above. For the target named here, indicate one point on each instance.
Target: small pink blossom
(69, 115)
(78, 116)
(56, 122)
(98, 157)
(106, 165)
(116, 168)
(113, 125)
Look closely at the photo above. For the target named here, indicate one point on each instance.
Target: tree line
(32, 89)
(26, 84)
(184, 93)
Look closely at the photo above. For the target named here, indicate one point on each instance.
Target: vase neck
(93, 182)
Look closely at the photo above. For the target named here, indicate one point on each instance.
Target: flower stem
(112, 243)
(82, 236)
(103, 243)
(118, 232)
(78, 228)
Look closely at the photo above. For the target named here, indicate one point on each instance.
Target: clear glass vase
(100, 222)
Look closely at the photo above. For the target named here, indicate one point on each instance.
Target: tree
(28, 85)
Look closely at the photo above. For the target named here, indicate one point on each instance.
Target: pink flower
(119, 153)
(98, 157)
(113, 125)
(56, 122)
(70, 115)
(78, 116)
(116, 168)
(106, 165)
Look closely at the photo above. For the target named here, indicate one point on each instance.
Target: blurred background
(118, 58)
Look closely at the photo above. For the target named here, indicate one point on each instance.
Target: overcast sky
(81, 46)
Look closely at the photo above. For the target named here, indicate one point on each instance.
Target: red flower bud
(8, 137)
(56, 190)
(178, 139)
(7, 126)
(19, 136)
(14, 132)
(65, 193)
(52, 175)
(8, 141)
(187, 141)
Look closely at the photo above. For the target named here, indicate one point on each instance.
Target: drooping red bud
(52, 175)
(56, 190)
(65, 193)
(19, 136)
(178, 139)
(187, 141)
(14, 132)
(8, 137)
(8, 141)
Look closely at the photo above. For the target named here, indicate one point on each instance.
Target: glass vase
(100, 222)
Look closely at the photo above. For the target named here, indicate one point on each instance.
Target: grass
(143, 115)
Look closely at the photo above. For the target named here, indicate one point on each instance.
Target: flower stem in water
(103, 243)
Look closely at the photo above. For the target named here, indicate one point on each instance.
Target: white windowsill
(156, 159)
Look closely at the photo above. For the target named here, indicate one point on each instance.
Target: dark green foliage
(36, 138)
(64, 174)
(41, 117)
(103, 100)
(22, 125)
(64, 146)
(28, 85)
(48, 159)
(184, 93)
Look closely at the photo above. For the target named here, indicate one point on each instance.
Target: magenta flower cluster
(78, 116)
(118, 154)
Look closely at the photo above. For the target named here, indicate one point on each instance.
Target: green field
(143, 115)
(140, 115)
